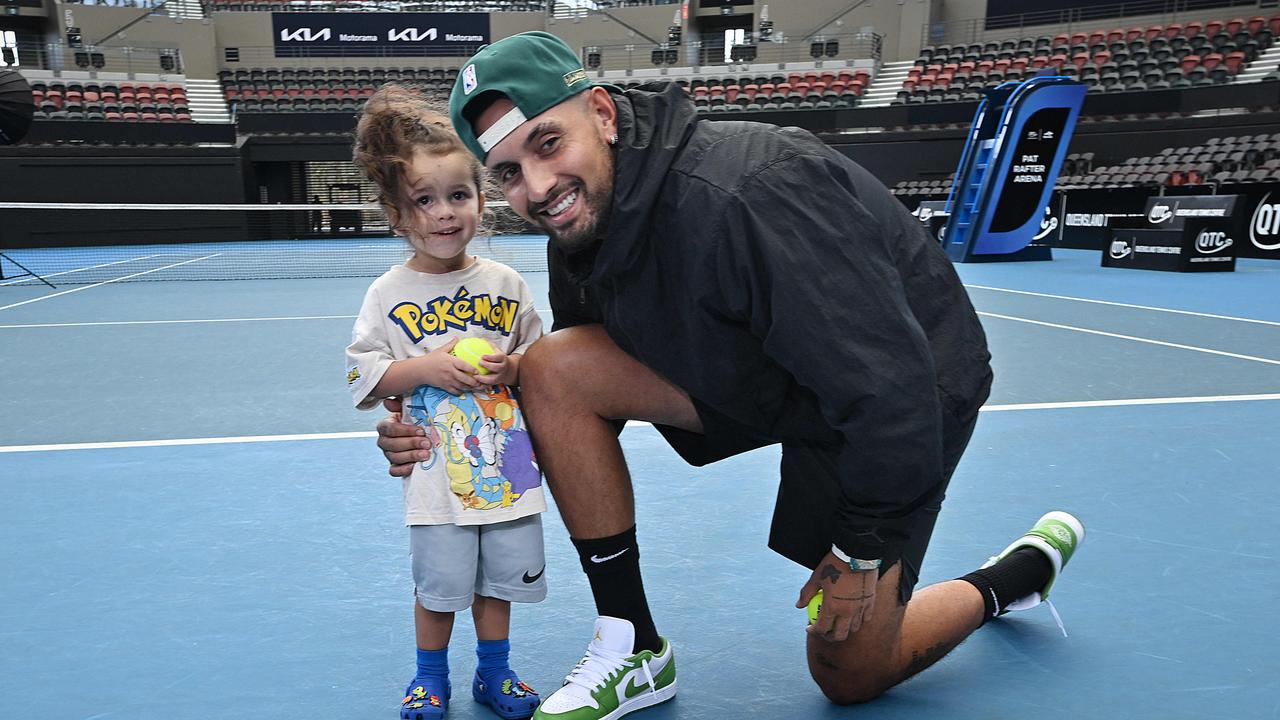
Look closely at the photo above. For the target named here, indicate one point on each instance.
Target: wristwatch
(854, 563)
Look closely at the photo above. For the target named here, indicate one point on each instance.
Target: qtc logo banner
(378, 34)
(1264, 226)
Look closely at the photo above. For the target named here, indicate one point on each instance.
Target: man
(738, 285)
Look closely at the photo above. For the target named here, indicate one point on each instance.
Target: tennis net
(85, 243)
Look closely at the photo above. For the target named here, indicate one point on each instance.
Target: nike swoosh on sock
(597, 559)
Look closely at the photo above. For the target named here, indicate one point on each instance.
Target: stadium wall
(122, 175)
(962, 21)
(195, 38)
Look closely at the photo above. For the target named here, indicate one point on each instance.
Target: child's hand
(503, 369)
(447, 372)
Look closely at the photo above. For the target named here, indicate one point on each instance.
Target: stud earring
(613, 139)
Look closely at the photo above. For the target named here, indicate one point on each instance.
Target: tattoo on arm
(829, 572)
(853, 597)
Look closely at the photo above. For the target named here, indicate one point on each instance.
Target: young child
(473, 501)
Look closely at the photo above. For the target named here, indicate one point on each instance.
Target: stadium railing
(112, 59)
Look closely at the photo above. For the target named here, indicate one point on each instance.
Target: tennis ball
(814, 606)
(470, 350)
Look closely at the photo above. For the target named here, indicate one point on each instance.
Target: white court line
(1128, 305)
(106, 282)
(188, 441)
(1129, 402)
(68, 272)
(1162, 343)
(178, 322)
(368, 434)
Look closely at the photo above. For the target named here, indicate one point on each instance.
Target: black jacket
(781, 285)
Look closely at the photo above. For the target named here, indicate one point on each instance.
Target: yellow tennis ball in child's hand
(813, 607)
(470, 350)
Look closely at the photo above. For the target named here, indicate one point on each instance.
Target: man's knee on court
(550, 366)
(850, 686)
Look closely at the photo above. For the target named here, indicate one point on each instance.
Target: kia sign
(378, 34)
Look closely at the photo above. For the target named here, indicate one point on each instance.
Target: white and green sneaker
(1058, 535)
(610, 682)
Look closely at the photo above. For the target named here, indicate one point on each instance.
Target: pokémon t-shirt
(481, 469)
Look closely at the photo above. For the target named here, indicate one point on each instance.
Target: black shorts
(809, 491)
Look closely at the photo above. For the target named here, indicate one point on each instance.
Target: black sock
(612, 566)
(1023, 572)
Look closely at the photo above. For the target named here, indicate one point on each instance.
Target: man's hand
(403, 445)
(847, 598)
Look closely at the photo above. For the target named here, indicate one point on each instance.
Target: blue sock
(433, 663)
(494, 660)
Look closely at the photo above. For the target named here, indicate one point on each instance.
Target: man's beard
(593, 217)
(588, 227)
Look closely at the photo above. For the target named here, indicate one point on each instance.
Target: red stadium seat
(1189, 63)
(1211, 61)
(1256, 23)
(1193, 29)
(1172, 30)
(1234, 25)
(1213, 27)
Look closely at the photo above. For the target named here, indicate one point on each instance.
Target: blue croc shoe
(511, 699)
(425, 699)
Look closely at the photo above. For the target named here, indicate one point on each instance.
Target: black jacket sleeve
(812, 272)
(571, 302)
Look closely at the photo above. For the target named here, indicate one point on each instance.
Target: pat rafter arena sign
(358, 34)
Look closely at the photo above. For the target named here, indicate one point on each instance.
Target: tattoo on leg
(829, 572)
(921, 659)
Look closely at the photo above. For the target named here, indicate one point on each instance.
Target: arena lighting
(82, 59)
(593, 58)
(743, 53)
(766, 25)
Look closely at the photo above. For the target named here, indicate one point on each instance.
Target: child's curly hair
(396, 121)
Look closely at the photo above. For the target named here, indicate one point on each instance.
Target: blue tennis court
(195, 524)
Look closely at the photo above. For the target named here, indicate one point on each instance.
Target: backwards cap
(535, 70)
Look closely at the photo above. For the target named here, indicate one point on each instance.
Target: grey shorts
(453, 563)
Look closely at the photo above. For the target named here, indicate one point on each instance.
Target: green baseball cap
(535, 70)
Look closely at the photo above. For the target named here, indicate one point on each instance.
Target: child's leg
(511, 568)
(444, 571)
(432, 629)
(492, 617)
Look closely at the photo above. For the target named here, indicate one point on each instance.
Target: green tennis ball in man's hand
(471, 350)
(814, 606)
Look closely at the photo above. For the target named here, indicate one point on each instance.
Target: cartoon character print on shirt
(481, 439)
